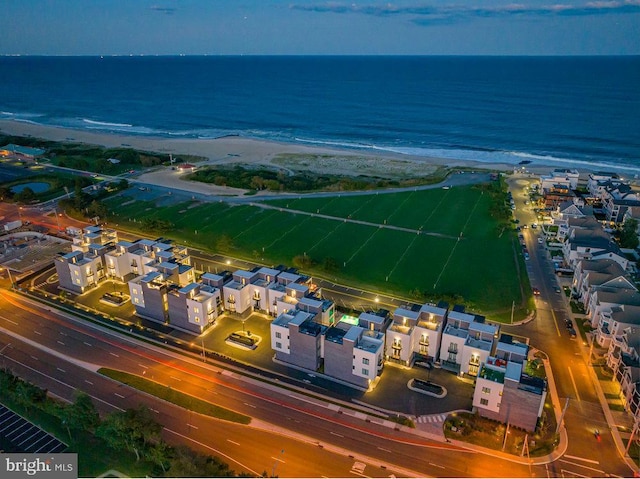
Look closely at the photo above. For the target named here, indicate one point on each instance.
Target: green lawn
(460, 253)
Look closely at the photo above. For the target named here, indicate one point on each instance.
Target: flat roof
(372, 318)
(406, 313)
(269, 271)
(244, 274)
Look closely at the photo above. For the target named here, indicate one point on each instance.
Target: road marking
(555, 321)
(155, 410)
(143, 366)
(177, 379)
(114, 354)
(233, 442)
(12, 322)
(583, 466)
(33, 357)
(88, 344)
(250, 405)
(436, 465)
(60, 342)
(383, 449)
(61, 333)
(191, 425)
(119, 395)
(278, 459)
(88, 382)
(336, 434)
(581, 459)
(61, 370)
(37, 332)
(573, 381)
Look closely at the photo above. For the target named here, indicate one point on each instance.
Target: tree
(329, 264)
(27, 195)
(134, 430)
(81, 415)
(629, 234)
(303, 261)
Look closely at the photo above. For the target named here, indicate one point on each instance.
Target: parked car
(536, 291)
(572, 333)
(568, 323)
(540, 241)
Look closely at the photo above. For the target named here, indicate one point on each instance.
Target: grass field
(453, 251)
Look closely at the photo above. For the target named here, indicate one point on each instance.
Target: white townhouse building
(564, 177)
(612, 321)
(415, 334)
(237, 294)
(466, 342)
(92, 235)
(79, 271)
(149, 296)
(600, 181)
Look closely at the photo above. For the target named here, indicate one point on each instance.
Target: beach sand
(247, 151)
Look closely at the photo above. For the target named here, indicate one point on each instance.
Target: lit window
(197, 319)
(484, 402)
(486, 390)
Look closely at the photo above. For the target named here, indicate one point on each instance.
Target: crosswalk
(433, 418)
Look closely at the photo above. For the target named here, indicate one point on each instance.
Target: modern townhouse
(284, 297)
(297, 338)
(324, 308)
(261, 287)
(503, 393)
(557, 194)
(237, 294)
(467, 341)
(79, 271)
(415, 335)
(353, 354)
(623, 359)
(149, 296)
(194, 307)
(93, 235)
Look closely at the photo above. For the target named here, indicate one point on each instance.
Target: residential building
(593, 273)
(353, 354)
(194, 307)
(623, 359)
(466, 342)
(237, 294)
(297, 339)
(149, 296)
(503, 393)
(79, 271)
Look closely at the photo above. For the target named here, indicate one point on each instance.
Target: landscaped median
(175, 397)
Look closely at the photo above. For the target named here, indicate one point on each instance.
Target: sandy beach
(228, 150)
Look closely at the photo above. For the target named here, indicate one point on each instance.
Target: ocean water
(564, 111)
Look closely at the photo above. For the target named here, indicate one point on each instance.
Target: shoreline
(293, 156)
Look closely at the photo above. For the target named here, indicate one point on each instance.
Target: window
(278, 334)
(278, 345)
(484, 402)
(365, 360)
(486, 390)
(197, 319)
(365, 372)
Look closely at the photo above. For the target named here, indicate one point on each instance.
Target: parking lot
(19, 435)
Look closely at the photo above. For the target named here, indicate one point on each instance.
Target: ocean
(563, 111)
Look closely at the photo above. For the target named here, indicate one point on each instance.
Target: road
(567, 357)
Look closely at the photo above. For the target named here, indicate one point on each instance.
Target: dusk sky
(317, 27)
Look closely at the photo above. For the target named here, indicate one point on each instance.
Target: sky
(319, 27)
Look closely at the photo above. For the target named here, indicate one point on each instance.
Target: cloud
(165, 10)
(436, 13)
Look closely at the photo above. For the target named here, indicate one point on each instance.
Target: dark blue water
(543, 109)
